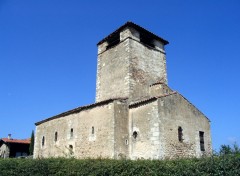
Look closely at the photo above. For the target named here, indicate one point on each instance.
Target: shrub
(217, 165)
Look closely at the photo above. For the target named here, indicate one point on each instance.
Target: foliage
(31, 147)
(226, 162)
(225, 150)
(228, 150)
(236, 149)
(218, 165)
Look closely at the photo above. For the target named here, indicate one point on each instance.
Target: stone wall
(121, 130)
(4, 151)
(159, 89)
(156, 122)
(144, 120)
(174, 112)
(112, 72)
(147, 66)
(128, 68)
(92, 136)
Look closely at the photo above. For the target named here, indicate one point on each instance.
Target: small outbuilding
(13, 148)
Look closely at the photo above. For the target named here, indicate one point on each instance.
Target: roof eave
(138, 28)
(78, 109)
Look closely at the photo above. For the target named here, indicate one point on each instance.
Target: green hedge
(218, 165)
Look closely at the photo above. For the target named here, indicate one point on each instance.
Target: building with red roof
(11, 148)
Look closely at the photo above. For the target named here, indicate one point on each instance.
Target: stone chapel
(135, 116)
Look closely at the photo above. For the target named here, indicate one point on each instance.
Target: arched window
(43, 141)
(135, 134)
(56, 136)
(92, 129)
(180, 134)
(71, 149)
(71, 133)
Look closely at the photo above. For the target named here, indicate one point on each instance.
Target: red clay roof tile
(20, 141)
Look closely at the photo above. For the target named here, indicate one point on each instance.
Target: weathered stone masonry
(128, 69)
(136, 114)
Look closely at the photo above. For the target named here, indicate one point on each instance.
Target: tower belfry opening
(113, 41)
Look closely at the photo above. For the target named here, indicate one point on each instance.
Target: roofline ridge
(194, 106)
(80, 108)
(150, 99)
(133, 25)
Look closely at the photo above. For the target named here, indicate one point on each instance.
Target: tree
(225, 150)
(31, 147)
(236, 148)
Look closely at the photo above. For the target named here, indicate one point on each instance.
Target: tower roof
(136, 27)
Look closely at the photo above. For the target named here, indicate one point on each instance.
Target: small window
(135, 134)
(145, 39)
(201, 136)
(71, 149)
(92, 130)
(113, 40)
(43, 141)
(126, 142)
(180, 134)
(56, 136)
(71, 133)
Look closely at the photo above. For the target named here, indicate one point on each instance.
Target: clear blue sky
(48, 56)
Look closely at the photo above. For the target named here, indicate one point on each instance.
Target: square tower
(129, 61)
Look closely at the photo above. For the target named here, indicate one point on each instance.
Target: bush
(218, 165)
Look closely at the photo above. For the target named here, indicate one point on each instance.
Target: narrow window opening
(135, 134)
(146, 40)
(43, 141)
(92, 130)
(201, 136)
(71, 133)
(71, 149)
(126, 142)
(56, 136)
(180, 134)
(113, 40)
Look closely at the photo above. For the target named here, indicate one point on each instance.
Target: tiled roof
(81, 108)
(131, 105)
(78, 109)
(138, 28)
(151, 99)
(134, 104)
(19, 141)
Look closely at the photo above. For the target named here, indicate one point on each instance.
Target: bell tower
(129, 60)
